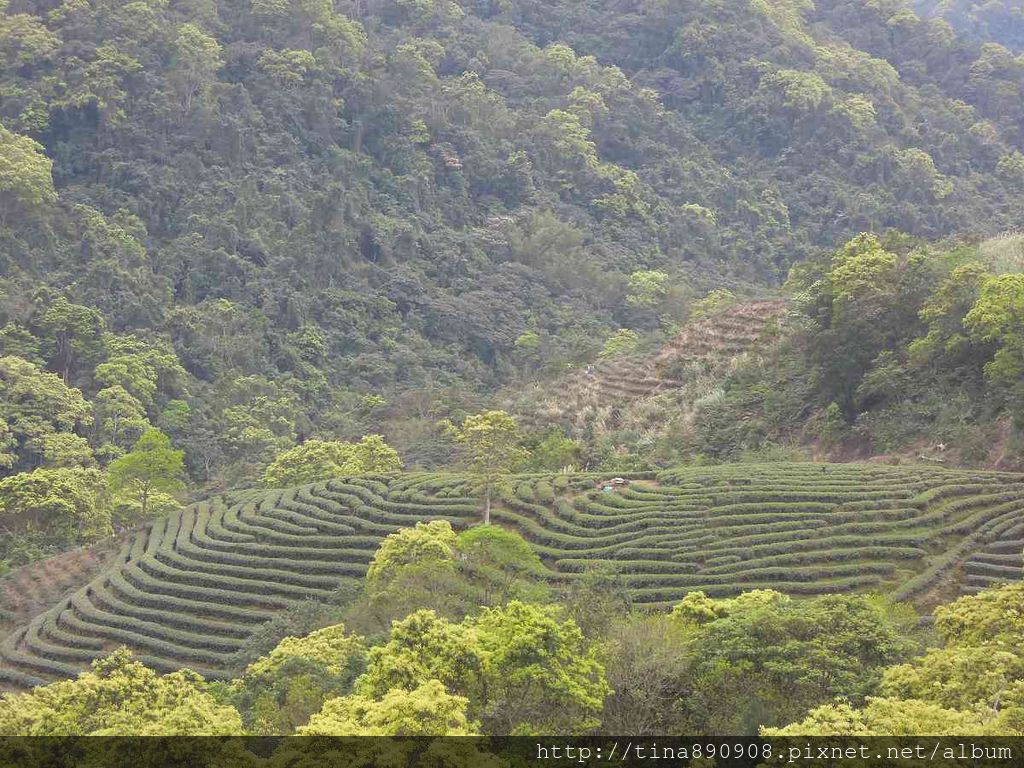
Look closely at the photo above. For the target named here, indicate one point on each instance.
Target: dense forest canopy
(996, 21)
(243, 224)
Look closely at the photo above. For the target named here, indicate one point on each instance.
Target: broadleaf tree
(152, 466)
(490, 444)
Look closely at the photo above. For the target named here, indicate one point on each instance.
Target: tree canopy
(323, 459)
(490, 444)
(972, 684)
(120, 697)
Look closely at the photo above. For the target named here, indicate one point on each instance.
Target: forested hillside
(995, 21)
(230, 226)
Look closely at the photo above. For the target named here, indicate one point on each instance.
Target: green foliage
(500, 566)
(323, 459)
(944, 311)
(427, 710)
(998, 317)
(894, 345)
(647, 287)
(64, 505)
(554, 452)
(862, 270)
(281, 691)
(785, 656)
(523, 668)
(420, 648)
(883, 717)
(34, 406)
(622, 342)
(429, 566)
(151, 467)
(369, 402)
(426, 544)
(26, 182)
(528, 348)
(66, 449)
(175, 417)
(989, 618)
(72, 335)
(121, 416)
(139, 369)
(800, 91)
(973, 684)
(490, 446)
(372, 454)
(528, 343)
(538, 672)
(197, 59)
(833, 425)
(1011, 168)
(120, 697)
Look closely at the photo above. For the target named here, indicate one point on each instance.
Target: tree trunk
(487, 507)
(357, 138)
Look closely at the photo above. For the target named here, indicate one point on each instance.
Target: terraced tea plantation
(189, 590)
(703, 350)
(998, 562)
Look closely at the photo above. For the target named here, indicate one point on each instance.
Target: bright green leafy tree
(66, 505)
(647, 287)
(120, 697)
(34, 406)
(498, 565)
(764, 657)
(316, 460)
(279, 692)
(972, 685)
(429, 566)
(430, 544)
(490, 445)
(883, 717)
(554, 451)
(524, 668)
(427, 710)
(622, 342)
(66, 450)
(152, 466)
(73, 334)
(998, 316)
(26, 180)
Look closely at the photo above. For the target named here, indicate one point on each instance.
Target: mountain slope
(994, 21)
(306, 203)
